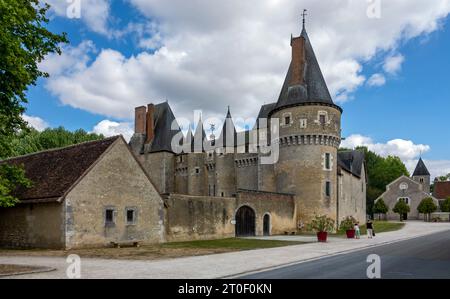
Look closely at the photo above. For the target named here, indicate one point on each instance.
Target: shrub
(321, 223)
(426, 207)
(401, 208)
(348, 223)
(380, 207)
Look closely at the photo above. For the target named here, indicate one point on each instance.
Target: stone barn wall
(37, 225)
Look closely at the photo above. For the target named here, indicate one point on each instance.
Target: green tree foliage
(24, 42)
(381, 172)
(426, 207)
(380, 207)
(445, 205)
(401, 208)
(31, 141)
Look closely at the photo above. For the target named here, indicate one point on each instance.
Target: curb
(38, 270)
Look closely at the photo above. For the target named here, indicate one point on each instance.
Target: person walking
(357, 231)
(369, 226)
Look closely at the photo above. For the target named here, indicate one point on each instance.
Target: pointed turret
(421, 169)
(422, 176)
(228, 136)
(304, 82)
(199, 138)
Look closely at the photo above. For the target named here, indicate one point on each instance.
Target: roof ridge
(60, 148)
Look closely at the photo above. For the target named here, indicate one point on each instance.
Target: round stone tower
(310, 135)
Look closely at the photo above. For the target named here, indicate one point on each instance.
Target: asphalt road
(420, 258)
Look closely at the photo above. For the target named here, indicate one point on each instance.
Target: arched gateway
(245, 222)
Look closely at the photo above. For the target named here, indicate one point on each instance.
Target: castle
(302, 130)
(165, 186)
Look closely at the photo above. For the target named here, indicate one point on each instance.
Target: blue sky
(389, 73)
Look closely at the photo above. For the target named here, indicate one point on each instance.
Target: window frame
(135, 213)
(327, 188)
(112, 222)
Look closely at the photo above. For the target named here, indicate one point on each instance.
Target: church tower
(422, 176)
(310, 135)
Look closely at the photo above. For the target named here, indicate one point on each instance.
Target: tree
(445, 205)
(380, 207)
(426, 207)
(401, 208)
(24, 42)
(31, 141)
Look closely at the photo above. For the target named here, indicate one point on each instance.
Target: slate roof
(352, 161)
(54, 172)
(421, 169)
(163, 119)
(227, 130)
(315, 91)
(441, 190)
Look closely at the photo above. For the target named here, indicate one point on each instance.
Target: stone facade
(110, 199)
(408, 189)
(118, 183)
(307, 166)
(32, 226)
(206, 217)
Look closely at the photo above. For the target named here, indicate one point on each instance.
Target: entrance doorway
(245, 222)
(266, 225)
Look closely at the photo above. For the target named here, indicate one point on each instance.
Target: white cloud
(393, 64)
(435, 167)
(36, 122)
(376, 80)
(406, 150)
(110, 128)
(94, 13)
(237, 52)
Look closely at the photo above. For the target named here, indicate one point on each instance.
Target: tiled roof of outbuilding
(54, 172)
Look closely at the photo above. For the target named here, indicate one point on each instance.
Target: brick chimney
(298, 61)
(150, 129)
(140, 120)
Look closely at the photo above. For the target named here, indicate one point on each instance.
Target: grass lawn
(160, 251)
(16, 269)
(379, 227)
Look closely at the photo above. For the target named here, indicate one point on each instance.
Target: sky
(385, 62)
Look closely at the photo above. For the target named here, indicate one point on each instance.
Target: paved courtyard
(225, 264)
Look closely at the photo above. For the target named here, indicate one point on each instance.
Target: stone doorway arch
(245, 222)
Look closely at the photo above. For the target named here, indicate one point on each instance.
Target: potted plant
(322, 225)
(348, 225)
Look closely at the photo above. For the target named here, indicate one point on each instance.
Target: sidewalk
(225, 264)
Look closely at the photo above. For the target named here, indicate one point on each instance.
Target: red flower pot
(350, 234)
(322, 236)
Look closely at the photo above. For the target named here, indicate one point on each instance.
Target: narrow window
(328, 189)
(214, 190)
(303, 123)
(223, 194)
(287, 120)
(109, 216)
(322, 119)
(197, 170)
(131, 216)
(328, 161)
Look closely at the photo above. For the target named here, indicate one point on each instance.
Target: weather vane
(304, 14)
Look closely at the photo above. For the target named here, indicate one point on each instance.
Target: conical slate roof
(421, 169)
(228, 131)
(198, 138)
(163, 119)
(312, 88)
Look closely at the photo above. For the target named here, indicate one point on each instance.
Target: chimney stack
(150, 129)
(140, 119)
(298, 61)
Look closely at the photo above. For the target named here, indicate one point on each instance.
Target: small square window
(131, 216)
(109, 216)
